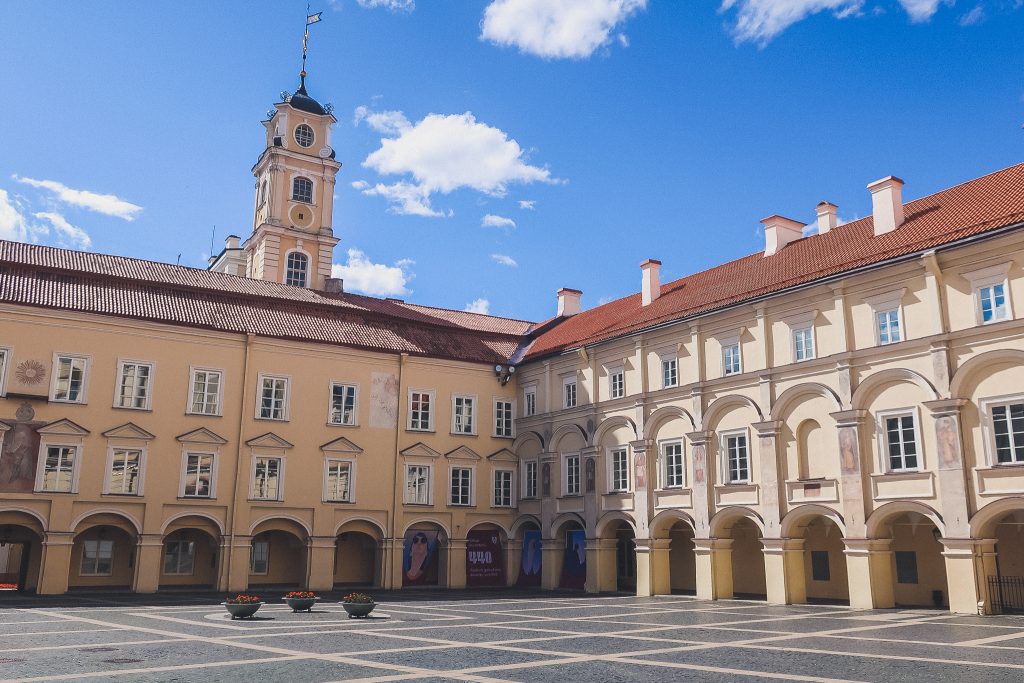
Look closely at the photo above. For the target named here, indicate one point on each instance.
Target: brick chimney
(780, 231)
(887, 204)
(568, 301)
(827, 219)
(650, 288)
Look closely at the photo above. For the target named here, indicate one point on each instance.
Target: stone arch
(363, 525)
(666, 519)
(562, 520)
(985, 519)
(567, 430)
(662, 415)
(786, 399)
(426, 520)
(972, 367)
(522, 521)
(524, 438)
(181, 515)
(723, 520)
(610, 424)
(877, 380)
(722, 405)
(26, 511)
(290, 521)
(501, 527)
(82, 518)
(796, 520)
(610, 517)
(884, 514)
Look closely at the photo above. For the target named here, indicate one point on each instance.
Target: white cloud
(528, 204)
(405, 198)
(387, 122)
(362, 275)
(504, 260)
(478, 306)
(492, 221)
(921, 10)
(101, 203)
(975, 16)
(68, 235)
(12, 223)
(556, 29)
(389, 5)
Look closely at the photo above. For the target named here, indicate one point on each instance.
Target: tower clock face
(301, 216)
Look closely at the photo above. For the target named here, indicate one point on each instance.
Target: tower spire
(310, 19)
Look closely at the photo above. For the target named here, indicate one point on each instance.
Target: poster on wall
(485, 562)
(419, 559)
(574, 568)
(529, 568)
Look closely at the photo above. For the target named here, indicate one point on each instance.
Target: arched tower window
(302, 190)
(263, 193)
(303, 135)
(296, 269)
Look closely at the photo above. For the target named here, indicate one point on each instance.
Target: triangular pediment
(129, 430)
(268, 440)
(202, 435)
(341, 445)
(63, 427)
(420, 450)
(504, 455)
(462, 453)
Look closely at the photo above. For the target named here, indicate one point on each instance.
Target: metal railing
(1006, 594)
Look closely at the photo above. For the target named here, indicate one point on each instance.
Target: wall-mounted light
(504, 373)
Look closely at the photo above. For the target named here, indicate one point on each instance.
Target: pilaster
(148, 556)
(851, 478)
(320, 553)
(767, 435)
(642, 477)
(869, 569)
(700, 477)
(56, 562)
(784, 571)
(950, 475)
(714, 568)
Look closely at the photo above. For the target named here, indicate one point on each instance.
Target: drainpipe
(394, 470)
(238, 457)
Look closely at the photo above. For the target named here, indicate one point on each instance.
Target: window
(97, 558)
(888, 322)
(669, 372)
(620, 469)
(59, 468)
(731, 362)
(125, 466)
(263, 193)
(302, 190)
(339, 481)
(421, 410)
(906, 566)
(296, 267)
(206, 392)
(259, 558)
(803, 343)
(503, 418)
(133, 385)
(737, 459)
(502, 488)
(901, 442)
(530, 402)
(198, 475)
(304, 135)
(1008, 426)
(462, 483)
(266, 480)
(992, 300)
(343, 404)
(179, 557)
(819, 566)
(417, 484)
(462, 415)
(530, 480)
(3, 370)
(616, 383)
(273, 398)
(675, 473)
(569, 392)
(572, 474)
(69, 380)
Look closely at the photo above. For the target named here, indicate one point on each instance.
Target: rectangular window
(198, 475)
(503, 418)
(530, 402)
(1008, 425)
(669, 372)
(569, 393)
(179, 558)
(462, 483)
(69, 381)
(339, 481)
(273, 398)
(819, 566)
(674, 466)
(617, 384)
(731, 363)
(133, 385)
(421, 411)
(417, 484)
(462, 415)
(266, 481)
(803, 343)
(97, 558)
(124, 471)
(992, 299)
(59, 468)
(530, 480)
(738, 460)
(502, 488)
(259, 558)
(343, 404)
(620, 469)
(572, 475)
(906, 566)
(3, 369)
(889, 331)
(901, 442)
(206, 392)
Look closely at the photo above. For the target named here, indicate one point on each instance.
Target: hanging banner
(574, 568)
(529, 568)
(419, 560)
(485, 561)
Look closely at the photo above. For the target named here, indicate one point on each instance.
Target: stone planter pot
(243, 610)
(301, 604)
(358, 609)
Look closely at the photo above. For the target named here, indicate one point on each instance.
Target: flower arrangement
(358, 598)
(242, 599)
(8, 586)
(300, 595)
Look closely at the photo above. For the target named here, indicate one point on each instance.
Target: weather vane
(310, 19)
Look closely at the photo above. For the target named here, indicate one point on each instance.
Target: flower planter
(243, 610)
(301, 604)
(358, 609)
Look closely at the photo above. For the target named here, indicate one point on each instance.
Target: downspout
(398, 457)
(238, 455)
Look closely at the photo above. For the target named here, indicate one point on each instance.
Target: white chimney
(826, 217)
(651, 285)
(780, 231)
(231, 242)
(568, 301)
(887, 204)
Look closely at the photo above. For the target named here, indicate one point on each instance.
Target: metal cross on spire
(310, 19)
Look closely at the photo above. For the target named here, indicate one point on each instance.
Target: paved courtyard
(499, 637)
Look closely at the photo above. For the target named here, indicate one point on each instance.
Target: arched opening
(918, 568)
(278, 554)
(682, 559)
(296, 269)
(1009, 535)
(21, 544)
(748, 575)
(571, 537)
(425, 556)
(625, 555)
(103, 554)
(190, 554)
(811, 453)
(357, 555)
(825, 563)
(531, 560)
(302, 190)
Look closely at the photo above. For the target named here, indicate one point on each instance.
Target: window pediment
(341, 445)
(504, 455)
(63, 427)
(268, 440)
(462, 453)
(129, 430)
(202, 435)
(419, 450)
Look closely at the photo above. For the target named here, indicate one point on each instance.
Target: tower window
(295, 274)
(303, 135)
(302, 190)
(263, 193)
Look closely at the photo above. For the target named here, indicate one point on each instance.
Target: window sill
(197, 498)
(342, 424)
(473, 434)
(503, 436)
(65, 493)
(271, 419)
(67, 403)
(188, 414)
(418, 505)
(265, 500)
(339, 502)
(121, 495)
(420, 431)
(138, 410)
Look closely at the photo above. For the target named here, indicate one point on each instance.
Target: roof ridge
(455, 310)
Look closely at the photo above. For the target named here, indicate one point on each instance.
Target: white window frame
(472, 486)
(184, 470)
(566, 381)
(355, 404)
(566, 457)
(286, 400)
(511, 487)
(473, 414)
(429, 485)
(665, 361)
(529, 401)
(5, 361)
(327, 496)
(109, 473)
(664, 469)
(86, 363)
(511, 418)
(148, 405)
(76, 465)
(989, 428)
(164, 555)
(531, 486)
(990, 277)
(888, 302)
(883, 440)
(726, 345)
(616, 382)
(256, 457)
(431, 415)
(723, 456)
(807, 331)
(312, 190)
(288, 270)
(190, 399)
(615, 486)
(99, 544)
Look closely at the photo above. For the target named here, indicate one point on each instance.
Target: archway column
(551, 563)
(699, 480)
(851, 479)
(768, 460)
(223, 552)
(320, 551)
(714, 568)
(513, 560)
(590, 464)
(644, 457)
(601, 568)
(392, 549)
(456, 562)
(969, 563)
(870, 573)
(56, 563)
(653, 566)
(784, 572)
(241, 552)
(148, 558)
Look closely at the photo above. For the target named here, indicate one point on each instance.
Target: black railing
(1006, 594)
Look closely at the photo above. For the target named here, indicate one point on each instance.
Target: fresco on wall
(19, 454)
(485, 562)
(384, 400)
(419, 559)
(529, 568)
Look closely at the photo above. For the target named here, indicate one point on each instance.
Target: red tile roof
(988, 203)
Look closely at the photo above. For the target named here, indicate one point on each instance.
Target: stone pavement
(498, 637)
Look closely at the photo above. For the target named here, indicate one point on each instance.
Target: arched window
(810, 450)
(302, 190)
(297, 265)
(303, 135)
(263, 193)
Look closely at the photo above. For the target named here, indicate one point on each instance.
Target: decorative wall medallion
(25, 413)
(30, 372)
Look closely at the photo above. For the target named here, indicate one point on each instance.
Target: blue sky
(607, 132)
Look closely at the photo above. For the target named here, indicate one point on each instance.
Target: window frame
(76, 467)
(665, 360)
(312, 135)
(887, 302)
(566, 457)
(529, 401)
(616, 382)
(288, 268)
(286, 401)
(807, 329)
(5, 360)
(190, 399)
(727, 344)
(83, 398)
(351, 463)
(986, 406)
(495, 503)
(988, 277)
(882, 417)
(253, 468)
(511, 418)
(566, 382)
(163, 559)
(724, 459)
(212, 495)
(470, 494)
(473, 414)
(666, 477)
(121, 363)
(330, 403)
(431, 413)
(99, 545)
(312, 190)
(429, 486)
(613, 481)
(531, 483)
(252, 557)
(888, 312)
(109, 473)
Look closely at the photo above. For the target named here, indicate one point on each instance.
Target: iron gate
(1006, 594)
